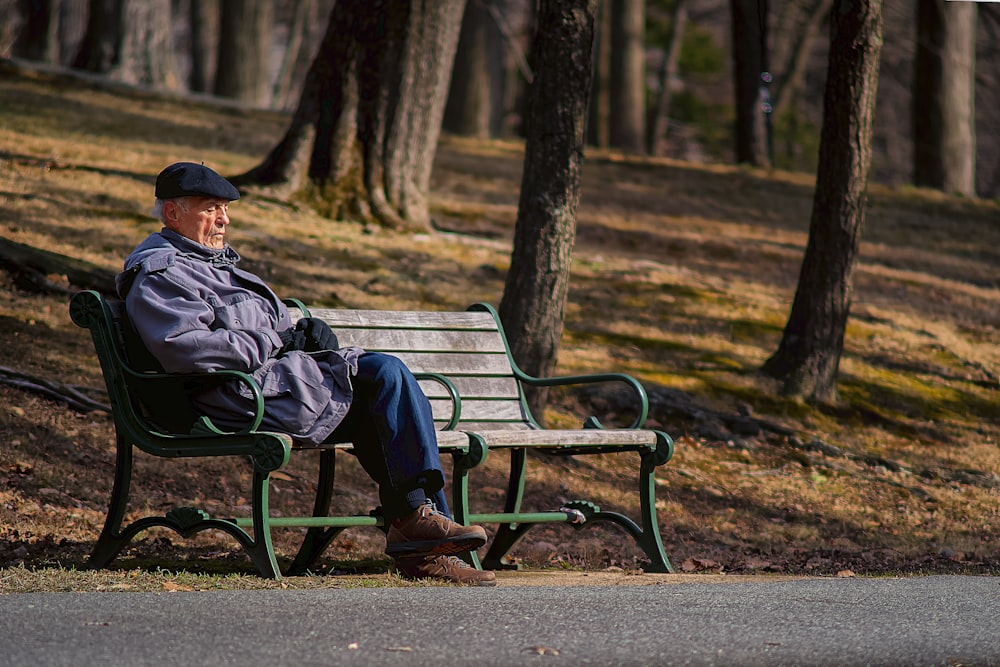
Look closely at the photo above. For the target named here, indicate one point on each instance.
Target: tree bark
(361, 143)
(244, 51)
(944, 118)
(628, 75)
(534, 298)
(749, 23)
(808, 357)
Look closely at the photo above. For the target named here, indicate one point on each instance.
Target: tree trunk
(808, 357)
(362, 141)
(660, 120)
(749, 23)
(244, 72)
(628, 75)
(204, 20)
(130, 41)
(534, 297)
(39, 35)
(792, 68)
(599, 114)
(944, 118)
(299, 53)
(470, 107)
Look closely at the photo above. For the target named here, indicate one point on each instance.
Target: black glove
(291, 339)
(318, 335)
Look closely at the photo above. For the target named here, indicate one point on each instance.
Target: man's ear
(170, 209)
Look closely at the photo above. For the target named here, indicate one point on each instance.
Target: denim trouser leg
(392, 428)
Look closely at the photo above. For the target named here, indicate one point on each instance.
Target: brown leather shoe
(427, 532)
(446, 568)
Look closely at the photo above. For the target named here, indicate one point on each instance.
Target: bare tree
(38, 38)
(475, 97)
(362, 141)
(944, 117)
(303, 41)
(204, 22)
(808, 357)
(660, 115)
(243, 71)
(534, 297)
(749, 24)
(599, 114)
(130, 41)
(628, 75)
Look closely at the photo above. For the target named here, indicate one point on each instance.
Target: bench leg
(509, 534)
(647, 536)
(111, 541)
(461, 464)
(185, 521)
(318, 539)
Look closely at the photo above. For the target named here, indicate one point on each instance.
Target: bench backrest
(466, 347)
(136, 406)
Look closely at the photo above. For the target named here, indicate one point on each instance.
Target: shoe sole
(451, 546)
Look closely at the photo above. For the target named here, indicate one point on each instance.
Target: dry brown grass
(683, 276)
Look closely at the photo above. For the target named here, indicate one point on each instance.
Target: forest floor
(683, 276)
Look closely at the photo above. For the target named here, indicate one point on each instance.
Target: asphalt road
(940, 620)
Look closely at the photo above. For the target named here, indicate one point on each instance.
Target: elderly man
(195, 310)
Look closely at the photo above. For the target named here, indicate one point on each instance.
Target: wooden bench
(464, 366)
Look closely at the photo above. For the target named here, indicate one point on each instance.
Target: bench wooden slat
(394, 319)
(474, 387)
(473, 410)
(448, 364)
(385, 340)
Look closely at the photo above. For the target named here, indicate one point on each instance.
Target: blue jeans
(392, 428)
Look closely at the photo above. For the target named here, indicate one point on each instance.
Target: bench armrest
(456, 400)
(590, 422)
(204, 425)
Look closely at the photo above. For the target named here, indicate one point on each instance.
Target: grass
(683, 275)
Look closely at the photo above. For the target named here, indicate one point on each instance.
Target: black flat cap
(186, 179)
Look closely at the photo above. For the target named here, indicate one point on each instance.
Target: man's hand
(318, 335)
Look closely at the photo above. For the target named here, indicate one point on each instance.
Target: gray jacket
(196, 311)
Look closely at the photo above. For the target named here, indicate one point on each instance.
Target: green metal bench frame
(465, 367)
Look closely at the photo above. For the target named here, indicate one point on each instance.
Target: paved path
(940, 620)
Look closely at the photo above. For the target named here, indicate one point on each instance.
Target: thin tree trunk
(657, 135)
(628, 75)
(204, 20)
(944, 118)
(749, 66)
(243, 71)
(599, 115)
(469, 107)
(808, 358)
(534, 298)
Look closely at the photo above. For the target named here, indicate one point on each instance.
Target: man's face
(201, 219)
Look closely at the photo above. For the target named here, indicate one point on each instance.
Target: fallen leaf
(353, 646)
(543, 650)
(173, 587)
(845, 574)
(404, 649)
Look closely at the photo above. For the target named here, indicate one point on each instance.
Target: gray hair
(158, 205)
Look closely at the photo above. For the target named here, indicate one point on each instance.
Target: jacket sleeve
(182, 330)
